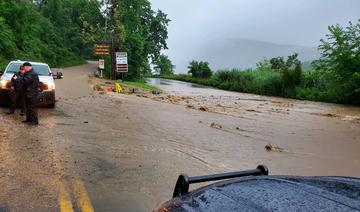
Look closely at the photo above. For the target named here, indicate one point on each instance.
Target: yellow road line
(82, 198)
(64, 199)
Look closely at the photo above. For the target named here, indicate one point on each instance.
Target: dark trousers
(17, 98)
(31, 110)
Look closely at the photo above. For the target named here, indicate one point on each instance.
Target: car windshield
(42, 70)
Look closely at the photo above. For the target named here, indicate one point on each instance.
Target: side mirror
(59, 75)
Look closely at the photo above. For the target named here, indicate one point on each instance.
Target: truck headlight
(48, 86)
(5, 84)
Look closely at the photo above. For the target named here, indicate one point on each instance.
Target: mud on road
(115, 152)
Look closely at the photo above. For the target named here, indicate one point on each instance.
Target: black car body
(271, 193)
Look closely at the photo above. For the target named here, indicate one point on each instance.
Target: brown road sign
(102, 49)
(122, 68)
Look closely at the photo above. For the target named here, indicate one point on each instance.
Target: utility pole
(114, 49)
(106, 24)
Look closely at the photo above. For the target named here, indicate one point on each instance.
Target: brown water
(180, 88)
(316, 138)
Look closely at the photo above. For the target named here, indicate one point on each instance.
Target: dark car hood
(273, 193)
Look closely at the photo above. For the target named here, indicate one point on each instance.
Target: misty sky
(300, 22)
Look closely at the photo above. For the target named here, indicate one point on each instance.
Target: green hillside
(62, 32)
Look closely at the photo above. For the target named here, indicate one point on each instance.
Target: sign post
(119, 60)
(101, 67)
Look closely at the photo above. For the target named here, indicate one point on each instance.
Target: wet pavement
(115, 152)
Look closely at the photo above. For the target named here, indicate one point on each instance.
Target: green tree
(297, 74)
(62, 32)
(80, 22)
(58, 32)
(194, 69)
(290, 69)
(7, 42)
(340, 51)
(199, 69)
(340, 58)
(277, 63)
(141, 32)
(164, 65)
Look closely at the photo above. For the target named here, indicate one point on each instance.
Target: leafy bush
(265, 82)
(316, 85)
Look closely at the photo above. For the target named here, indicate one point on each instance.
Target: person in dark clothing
(17, 94)
(30, 80)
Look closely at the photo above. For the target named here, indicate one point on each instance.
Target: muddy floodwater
(180, 88)
(123, 152)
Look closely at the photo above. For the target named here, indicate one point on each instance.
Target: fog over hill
(213, 30)
(240, 53)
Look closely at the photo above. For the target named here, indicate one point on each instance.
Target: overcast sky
(301, 22)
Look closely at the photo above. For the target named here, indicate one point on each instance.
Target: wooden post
(113, 60)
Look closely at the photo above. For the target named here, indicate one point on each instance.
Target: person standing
(17, 94)
(30, 80)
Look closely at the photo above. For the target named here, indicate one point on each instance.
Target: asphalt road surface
(115, 152)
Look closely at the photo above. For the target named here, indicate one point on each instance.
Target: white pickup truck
(47, 95)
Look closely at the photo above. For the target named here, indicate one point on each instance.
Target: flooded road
(116, 152)
(314, 138)
(180, 88)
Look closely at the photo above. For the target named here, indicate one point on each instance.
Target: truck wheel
(2, 100)
(51, 105)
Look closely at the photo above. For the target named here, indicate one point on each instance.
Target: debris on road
(351, 118)
(215, 126)
(203, 108)
(252, 110)
(156, 92)
(142, 95)
(271, 148)
(129, 90)
(98, 87)
(326, 115)
(173, 99)
(243, 130)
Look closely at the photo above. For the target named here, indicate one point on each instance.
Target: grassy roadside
(143, 85)
(185, 78)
